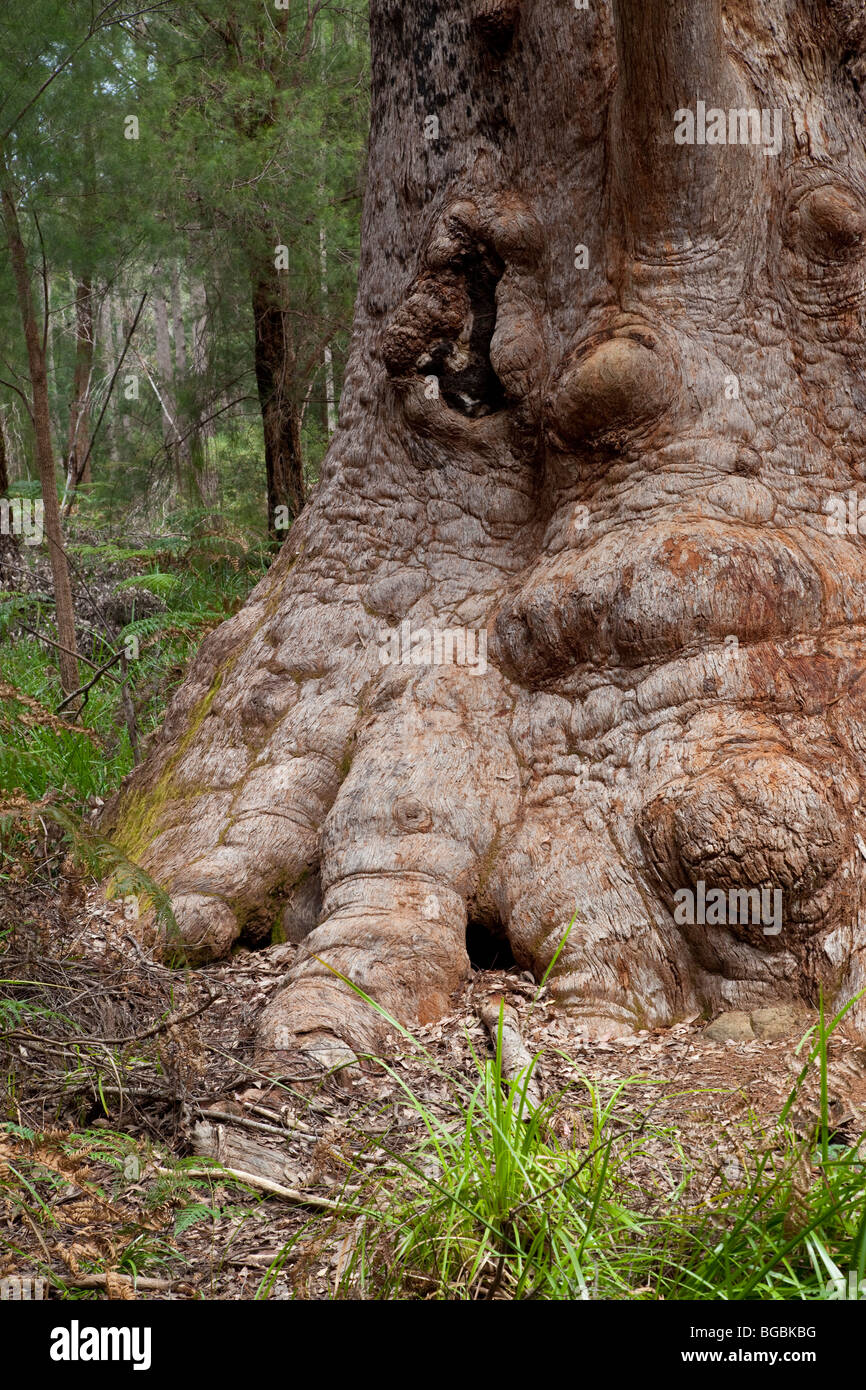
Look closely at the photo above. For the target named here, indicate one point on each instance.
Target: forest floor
(142, 1155)
(136, 1102)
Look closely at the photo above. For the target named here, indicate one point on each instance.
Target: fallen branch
(85, 689)
(51, 643)
(275, 1189)
(247, 1123)
(516, 1057)
(242, 1120)
(291, 1123)
(104, 1281)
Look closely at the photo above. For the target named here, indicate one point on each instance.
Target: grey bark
(166, 392)
(8, 541)
(201, 442)
(330, 411)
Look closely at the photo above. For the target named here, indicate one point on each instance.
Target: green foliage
(155, 583)
(251, 133)
(492, 1205)
(192, 1215)
(34, 760)
(209, 578)
(17, 1012)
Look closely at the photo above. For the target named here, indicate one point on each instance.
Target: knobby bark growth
(613, 463)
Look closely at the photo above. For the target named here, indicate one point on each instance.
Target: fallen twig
(82, 1039)
(289, 1194)
(85, 689)
(102, 1281)
(291, 1123)
(58, 647)
(171, 1022)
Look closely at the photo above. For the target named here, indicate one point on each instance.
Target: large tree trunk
(616, 466)
(36, 361)
(274, 363)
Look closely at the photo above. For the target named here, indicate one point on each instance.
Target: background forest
(181, 190)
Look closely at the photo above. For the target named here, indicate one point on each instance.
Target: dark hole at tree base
(488, 949)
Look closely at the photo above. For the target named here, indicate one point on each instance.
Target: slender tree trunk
(178, 328)
(107, 359)
(4, 463)
(64, 609)
(568, 644)
(122, 431)
(201, 451)
(167, 400)
(274, 363)
(330, 412)
(54, 394)
(274, 354)
(79, 406)
(181, 370)
(8, 541)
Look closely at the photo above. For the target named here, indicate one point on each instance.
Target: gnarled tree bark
(616, 464)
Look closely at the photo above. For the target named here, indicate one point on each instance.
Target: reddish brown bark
(615, 464)
(64, 609)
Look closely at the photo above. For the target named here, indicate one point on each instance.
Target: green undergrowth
(491, 1199)
(154, 1220)
(492, 1204)
(198, 581)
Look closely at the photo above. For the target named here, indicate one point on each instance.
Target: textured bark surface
(281, 423)
(620, 473)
